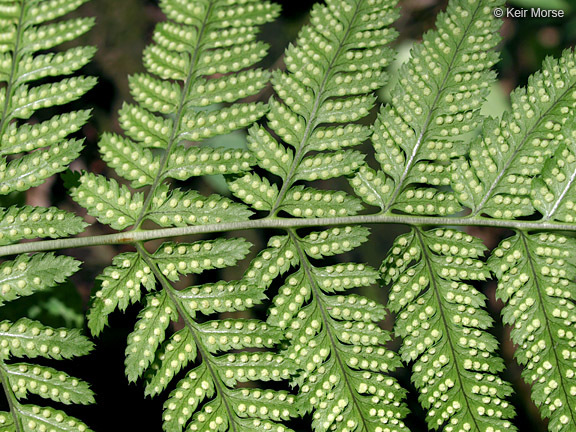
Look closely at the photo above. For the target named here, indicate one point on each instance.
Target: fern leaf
(183, 104)
(144, 127)
(536, 282)
(155, 95)
(272, 156)
(49, 10)
(29, 154)
(335, 346)
(31, 137)
(497, 179)
(301, 201)
(130, 160)
(328, 80)
(435, 104)
(372, 186)
(226, 335)
(32, 169)
(190, 208)
(185, 398)
(220, 297)
(552, 191)
(282, 401)
(34, 417)
(51, 35)
(31, 99)
(120, 285)
(329, 165)
(27, 338)
(109, 202)
(275, 260)
(48, 383)
(200, 161)
(254, 190)
(51, 65)
(200, 125)
(174, 258)
(245, 367)
(26, 275)
(334, 241)
(336, 138)
(219, 90)
(29, 222)
(175, 354)
(148, 334)
(443, 323)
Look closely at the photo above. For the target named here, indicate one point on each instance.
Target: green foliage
(537, 283)
(27, 275)
(437, 164)
(443, 324)
(32, 80)
(504, 159)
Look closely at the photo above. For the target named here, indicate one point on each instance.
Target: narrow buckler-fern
(236, 334)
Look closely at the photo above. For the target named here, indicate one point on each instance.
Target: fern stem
(12, 402)
(131, 237)
(317, 295)
(203, 355)
(547, 320)
(311, 123)
(445, 324)
(177, 120)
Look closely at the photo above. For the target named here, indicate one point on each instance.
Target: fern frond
(333, 69)
(334, 241)
(212, 383)
(553, 193)
(120, 285)
(31, 339)
(22, 66)
(443, 323)
(41, 341)
(32, 80)
(149, 332)
(184, 103)
(497, 179)
(341, 354)
(48, 383)
(306, 202)
(434, 107)
(36, 417)
(179, 208)
(26, 275)
(199, 161)
(221, 297)
(255, 191)
(130, 160)
(173, 259)
(536, 282)
(109, 202)
(27, 222)
(329, 79)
